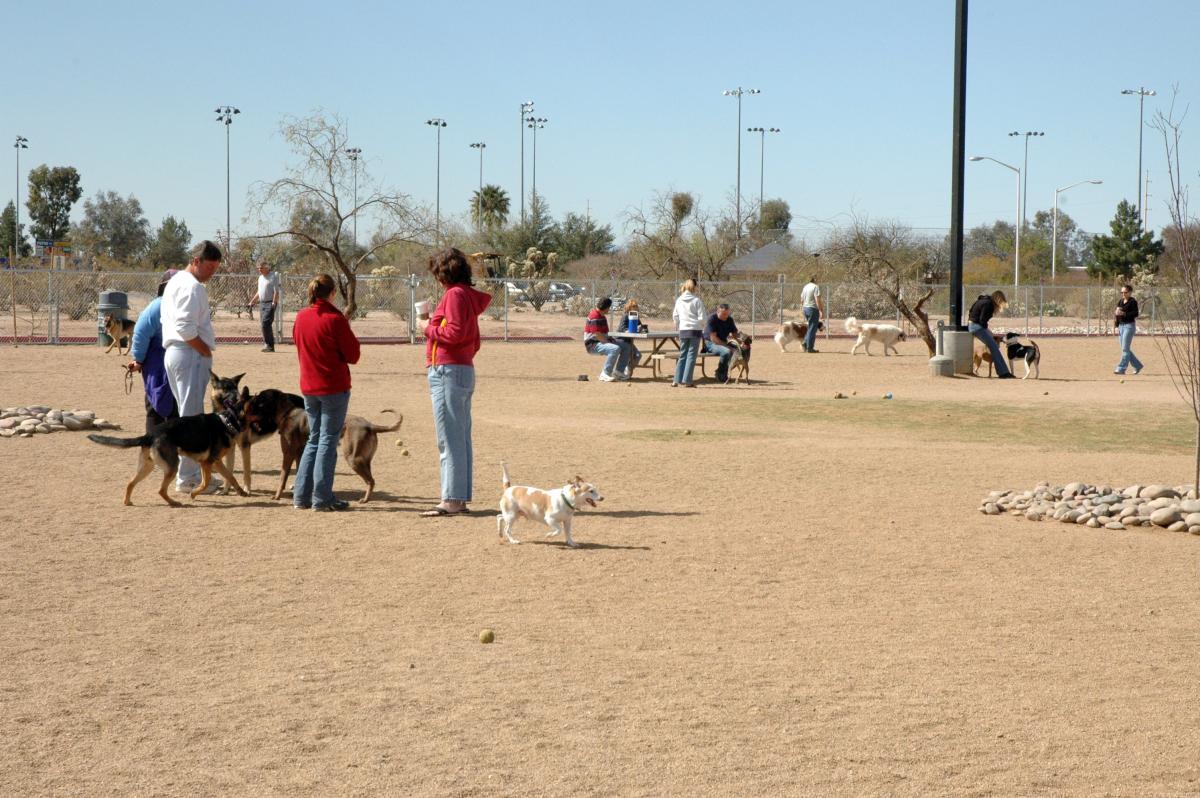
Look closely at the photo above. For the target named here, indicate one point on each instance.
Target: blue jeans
(451, 389)
(616, 352)
(688, 347)
(314, 476)
(1128, 358)
(726, 354)
(187, 372)
(983, 334)
(267, 310)
(812, 317)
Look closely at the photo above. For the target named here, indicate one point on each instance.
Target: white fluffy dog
(886, 334)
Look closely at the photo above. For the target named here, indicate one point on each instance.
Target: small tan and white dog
(554, 508)
(886, 334)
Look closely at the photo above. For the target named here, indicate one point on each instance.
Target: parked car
(560, 291)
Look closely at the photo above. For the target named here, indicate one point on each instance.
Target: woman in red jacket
(326, 347)
(451, 341)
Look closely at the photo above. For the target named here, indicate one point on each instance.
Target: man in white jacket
(188, 339)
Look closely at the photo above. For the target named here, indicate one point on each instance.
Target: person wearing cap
(268, 301)
(147, 353)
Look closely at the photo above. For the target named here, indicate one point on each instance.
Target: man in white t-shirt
(814, 309)
(268, 301)
(188, 340)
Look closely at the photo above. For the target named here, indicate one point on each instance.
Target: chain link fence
(61, 306)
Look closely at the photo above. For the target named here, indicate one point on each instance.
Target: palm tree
(491, 204)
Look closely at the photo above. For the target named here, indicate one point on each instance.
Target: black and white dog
(1028, 351)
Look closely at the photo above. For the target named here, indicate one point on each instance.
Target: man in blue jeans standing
(814, 309)
(597, 342)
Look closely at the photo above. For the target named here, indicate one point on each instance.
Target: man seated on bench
(597, 342)
(717, 332)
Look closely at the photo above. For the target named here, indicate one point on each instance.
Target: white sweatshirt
(185, 311)
(689, 313)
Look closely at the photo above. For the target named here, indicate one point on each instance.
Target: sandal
(438, 512)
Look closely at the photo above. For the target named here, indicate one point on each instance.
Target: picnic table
(659, 350)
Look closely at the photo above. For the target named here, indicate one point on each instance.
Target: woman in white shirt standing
(689, 315)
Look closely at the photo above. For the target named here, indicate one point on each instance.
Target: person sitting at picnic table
(635, 355)
(597, 342)
(717, 332)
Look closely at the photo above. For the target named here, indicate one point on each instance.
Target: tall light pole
(1142, 92)
(1017, 255)
(534, 123)
(1054, 224)
(21, 143)
(526, 110)
(352, 153)
(481, 146)
(762, 157)
(225, 114)
(737, 203)
(438, 124)
(1025, 191)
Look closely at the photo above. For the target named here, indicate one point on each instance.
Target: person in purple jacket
(147, 353)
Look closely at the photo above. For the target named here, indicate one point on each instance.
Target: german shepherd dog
(740, 362)
(118, 329)
(204, 438)
(221, 389)
(272, 410)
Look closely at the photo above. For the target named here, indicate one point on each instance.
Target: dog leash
(128, 379)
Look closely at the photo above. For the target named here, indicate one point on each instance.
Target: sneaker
(337, 505)
(606, 377)
(1118, 371)
(621, 376)
(267, 349)
(1008, 376)
(1137, 371)
(215, 484)
(301, 506)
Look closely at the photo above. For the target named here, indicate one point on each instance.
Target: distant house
(762, 262)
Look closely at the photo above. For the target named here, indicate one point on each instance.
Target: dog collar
(568, 501)
(230, 423)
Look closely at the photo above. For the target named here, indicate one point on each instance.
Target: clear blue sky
(124, 91)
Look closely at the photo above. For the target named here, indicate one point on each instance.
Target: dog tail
(851, 324)
(507, 480)
(124, 443)
(380, 428)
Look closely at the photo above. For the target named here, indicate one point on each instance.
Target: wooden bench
(700, 358)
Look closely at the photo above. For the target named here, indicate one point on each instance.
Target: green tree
(170, 244)
(52, 193)
(772, 222)
(113, 227)
(491, 204)
(577, 236)
(1128, 246)
(7, 221)
(537, 232)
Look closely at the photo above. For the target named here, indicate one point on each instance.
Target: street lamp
(1142, 92)
(738, 92)
(481, 146)
(762, 148)
(225, 114)
(526, 110)
(1025, 191)
(21, 143)
(1054, 224)
(534, 123)
(352, 153)
(438, 124)
(1017, 256)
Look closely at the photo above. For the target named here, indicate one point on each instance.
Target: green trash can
(114, 303)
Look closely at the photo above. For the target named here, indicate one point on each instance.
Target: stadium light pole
(21, 143)
(762, 157)
(481, 146)
(534, 123)
(1054, 225)
(438, 123)
(1017, 255)
(737, 203)
(526, 111)
(225, 114)
(1142, 93)
(352, 153)
(1025, 191)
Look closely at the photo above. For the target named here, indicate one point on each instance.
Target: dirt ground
(798, 598)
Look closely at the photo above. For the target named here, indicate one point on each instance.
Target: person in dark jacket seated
(978, 317)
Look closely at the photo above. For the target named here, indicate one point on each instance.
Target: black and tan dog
(272, 410)
(740, 362)
(221, 390)
(118, 329)
(204, 438)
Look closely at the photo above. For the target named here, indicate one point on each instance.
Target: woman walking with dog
(451, 341)
(978, 317)
(689, 315)
(326, 346)
(1125, 320)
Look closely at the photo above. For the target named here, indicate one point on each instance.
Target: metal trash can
(115, 303)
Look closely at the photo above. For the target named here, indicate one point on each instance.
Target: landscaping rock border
(25, 422)
(1172, 508)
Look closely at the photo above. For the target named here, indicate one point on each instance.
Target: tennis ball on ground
(487, 636)
(687, 432)
(1122, 381)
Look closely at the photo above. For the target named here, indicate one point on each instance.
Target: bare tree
(1183, 351)
(675, 238)
(313, 204)
(886, 256)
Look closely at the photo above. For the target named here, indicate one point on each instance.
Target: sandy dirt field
(798, 598)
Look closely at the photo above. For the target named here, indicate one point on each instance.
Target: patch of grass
(680, 434)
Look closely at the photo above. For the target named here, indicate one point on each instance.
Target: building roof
(762, 260)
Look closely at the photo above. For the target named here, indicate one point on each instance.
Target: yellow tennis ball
(487, 636)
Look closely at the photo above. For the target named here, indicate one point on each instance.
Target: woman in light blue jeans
(451, 389)
(314, 476)
(689, 316)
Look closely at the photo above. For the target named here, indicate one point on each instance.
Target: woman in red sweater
(451, 341)
(326, 347)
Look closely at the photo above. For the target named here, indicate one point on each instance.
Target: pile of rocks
(1175, 509)
(25, 422)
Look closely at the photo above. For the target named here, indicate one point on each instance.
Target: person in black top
(1127, 312)
(717, 332)
(978, 317)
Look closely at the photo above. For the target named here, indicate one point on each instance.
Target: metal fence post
(412, 301)
(782, 288)
(753, 310)
(1088, 330)
(1041, 305)
(504, 288)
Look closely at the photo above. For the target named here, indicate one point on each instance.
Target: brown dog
(118, 329)
(271, 410)
(221, 389)
(983, 355)
(789, 332)
(740, 361)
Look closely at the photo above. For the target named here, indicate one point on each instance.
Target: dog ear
(237, 379)
(577, 481)
(212, 377)
(245, 392)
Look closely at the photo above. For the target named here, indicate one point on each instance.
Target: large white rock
(1164, 516)
(1193, 519)
(1158, 492)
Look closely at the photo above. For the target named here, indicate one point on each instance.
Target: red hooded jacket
(452, 335)
(326, 346)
